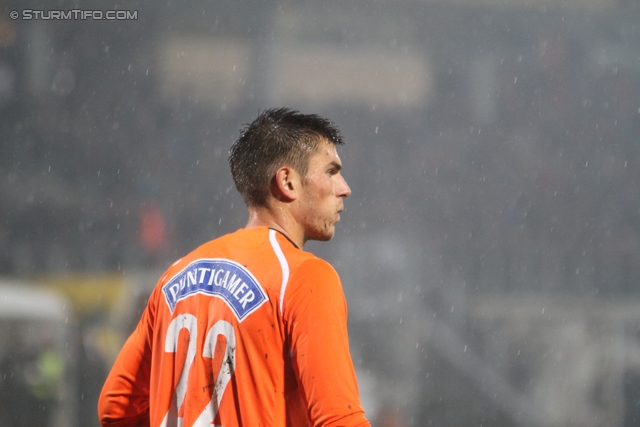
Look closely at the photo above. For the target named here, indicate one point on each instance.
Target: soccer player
(249, 329)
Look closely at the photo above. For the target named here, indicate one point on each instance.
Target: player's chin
(325, 234)
(325, 237)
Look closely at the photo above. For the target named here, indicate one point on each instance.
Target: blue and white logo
(217, 277)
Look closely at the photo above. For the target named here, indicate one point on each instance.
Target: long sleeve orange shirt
(247, 330)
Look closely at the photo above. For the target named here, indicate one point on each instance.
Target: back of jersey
(218, 340)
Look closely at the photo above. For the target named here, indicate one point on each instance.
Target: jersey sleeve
(315, 313)
(124, 400)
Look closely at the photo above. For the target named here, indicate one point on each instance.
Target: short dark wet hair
(277, 137)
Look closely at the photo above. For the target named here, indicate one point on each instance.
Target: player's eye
(334, 169)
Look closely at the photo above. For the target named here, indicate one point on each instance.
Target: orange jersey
(247, 330)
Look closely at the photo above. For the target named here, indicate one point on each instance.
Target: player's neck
(279, 219)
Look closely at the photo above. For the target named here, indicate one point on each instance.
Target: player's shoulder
(314, 281)
(315, 268)
(316, 264)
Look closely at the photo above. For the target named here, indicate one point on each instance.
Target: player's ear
(285, 184)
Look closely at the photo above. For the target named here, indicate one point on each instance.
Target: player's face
(323, 192)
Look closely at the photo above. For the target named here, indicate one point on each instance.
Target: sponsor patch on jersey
(220, 278)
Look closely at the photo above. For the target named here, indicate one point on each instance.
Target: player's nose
(344, 190)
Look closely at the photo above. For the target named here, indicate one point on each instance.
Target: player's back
(219, 340)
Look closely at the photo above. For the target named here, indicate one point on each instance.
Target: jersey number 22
(227, 367)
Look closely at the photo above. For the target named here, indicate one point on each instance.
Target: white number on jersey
(228, 365)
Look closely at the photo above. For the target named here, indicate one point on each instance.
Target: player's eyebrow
(337, 166)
